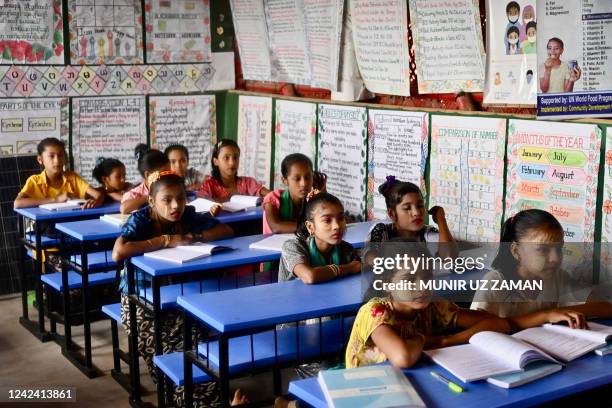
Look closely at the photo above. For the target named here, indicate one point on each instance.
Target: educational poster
(189, 120)
(606, 224)
(574, 61)
(554, 166)
(324, 28)
(295, 131)
(109, 127)
(380, 33)
(252, 37)
(342, 155)
(512, 74)
(398, 147)
(31, 32)
(288, 41)
(178, 30)
(25, 122)
(255, 137)
(449, 52)
(105, 32)
(467, 174)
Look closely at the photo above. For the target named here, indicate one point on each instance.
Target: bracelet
(166, 242)
(150, 243)
(335, 270)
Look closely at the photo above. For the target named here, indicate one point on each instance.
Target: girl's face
(554, 50)
(513, 38)
(179, 163)
(527, 15)
(539, 253)
(169, 202)
(513, 15)
(409, 214)
(53, 159)
(299, 180)
(418, 298)
(115, 180)
(531, 33)
(328, 223)
(228, 161)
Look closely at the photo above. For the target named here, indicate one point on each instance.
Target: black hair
(511, 5)
(517, 227)
(394, 191)
(177, 146)
(513, 29)
(149, 159)
(308, 209)
(292, 159)
(104, 167)
(50, 141)
(166, 180)
(531, 24)
(529, 72)
(216, 173)
(557, 40)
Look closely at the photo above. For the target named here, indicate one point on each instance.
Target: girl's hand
(437, 214)
(319, 181)
(575, 75)
(435, 342)
(215, 209)
(178, 239)
(549, 63)
(93, 203)
(575, 320)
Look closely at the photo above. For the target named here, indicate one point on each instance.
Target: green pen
(451, 385)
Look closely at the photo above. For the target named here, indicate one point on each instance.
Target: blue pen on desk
(451, 385)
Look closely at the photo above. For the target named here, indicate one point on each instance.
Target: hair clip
(156, 175)
(314, 192)
(390, 181)
(99, 161)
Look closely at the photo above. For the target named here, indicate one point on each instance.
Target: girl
(281, 207)
(149, 161)
(512, 38)
(531, 248)
(110, 173)
(406, 209)
(165, 223)
(54, 184)
(400, 324)
(318, 253)
(555, 75)
(225, 181)
(178, 155)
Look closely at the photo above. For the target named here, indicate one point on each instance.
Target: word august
(458, 285)
(414, 264)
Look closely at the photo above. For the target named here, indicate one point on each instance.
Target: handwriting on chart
(255, 136)
(30, 20)
(250, 25)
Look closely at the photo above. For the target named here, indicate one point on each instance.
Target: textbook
(65, 206)
(273, 242)
(235, 204)
(532, 372)
(374, 386)
(186, 253)
(115, 219)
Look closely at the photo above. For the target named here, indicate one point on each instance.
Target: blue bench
(54, 280)
(95, 260)
(312, 343)
(172, 364)
(45, 240)
(113, 311)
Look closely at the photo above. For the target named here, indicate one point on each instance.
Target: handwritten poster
(512, 74)
(295, 131)
(31, 32)
(342, 155)
(109, 127)
(252, 36)
(380, 34)
(186, 119)
(25, 122)
(467, 174)
(606, 225)
(178, 30)
(255, 137)
(449, 52)
(398, 147)
(105, 32)
(554, 166)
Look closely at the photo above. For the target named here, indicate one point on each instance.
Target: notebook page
(596, 332)
(249, 201)
(202, 204)
(559, 345)
(503, 346)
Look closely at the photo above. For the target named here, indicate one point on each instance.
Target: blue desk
(583, 374)
(40, 217)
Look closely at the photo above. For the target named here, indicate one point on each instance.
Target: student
(531, 248)
(110, 173)
(406, 209)
(512, 38)
(54, 184)
(555, 75)
(529, 46)
(149, 161)
(178, 155)
(165, 223)
(318, 253)
(225, 181)
(282, 207)
(398, 325)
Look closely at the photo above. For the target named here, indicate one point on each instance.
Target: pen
(451, 385)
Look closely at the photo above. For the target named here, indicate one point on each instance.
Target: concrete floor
(25, 361)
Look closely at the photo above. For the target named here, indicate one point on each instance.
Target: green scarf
(286, 206)
(316, 259)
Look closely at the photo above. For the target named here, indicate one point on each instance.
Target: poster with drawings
(252, 36)
(606, 214)
(255, 137)
(467, 174)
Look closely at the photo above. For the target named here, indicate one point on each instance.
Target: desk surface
(39, 214)
(585, 373)
(241, 255)
(263, 305)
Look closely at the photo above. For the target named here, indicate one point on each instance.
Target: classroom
(299, 203)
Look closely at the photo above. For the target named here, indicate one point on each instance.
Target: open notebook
(65, 206)
(115, 219)
(273, 242)
(235, 204)
(186, 253)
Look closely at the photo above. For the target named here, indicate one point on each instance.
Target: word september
(413, 264)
